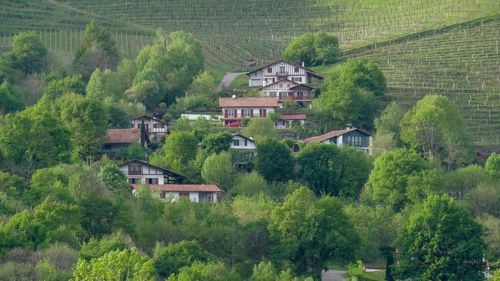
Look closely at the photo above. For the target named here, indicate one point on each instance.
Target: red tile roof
(248, 102)
(123, 135)
(293, 117)
(330, 135)
(182, 187)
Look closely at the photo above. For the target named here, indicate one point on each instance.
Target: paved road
(333, 275)
(228, 79)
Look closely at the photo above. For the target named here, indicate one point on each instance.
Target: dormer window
(296, 69)
(282, 68)
(269, 70)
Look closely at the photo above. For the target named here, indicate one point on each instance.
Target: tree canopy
(27, 53)
(274, 160)
(313, 49)
(432, 247)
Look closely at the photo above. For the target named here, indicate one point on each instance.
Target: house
(195, 192)
(287, 89)
(138, 172)
(281, 70)
(234, 109)
(286, 120)
(155, 128)
(120, 138)
(351, 136)
(244, 144)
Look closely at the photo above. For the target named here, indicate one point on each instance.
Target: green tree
(9, 99)
(250, 184)
(203, 84)
(34, 138)
(86, 118)
(70, 84)
(104, 85)
(313, 49)
(146, 92)
(388, 181)
(113, 178)
(126, 72)
(492, 165)
(388, 123)
(180, 146)
(216, 143)
(302, 228)
(432, 247)
(259, 128)
(319, 167)
(97, 248)
(97, 50)
(98, 214)
(274, 160)
(27, 53)
(205, 271)
(6, 71)
(170, 259)
(435, 126)
(218, 169)
(115, 265)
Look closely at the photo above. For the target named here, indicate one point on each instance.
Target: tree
(9, 99)
(113, 178)
(70, 84)
(302, 228)
(435, 126)
(27, 53)
(432, 247)
(259, 128)
(250, 184)
(274, 160)
(146, 92)
(34, 138)
(313, 49)
(365, 75)
(104, 85)
(203, 84)
(205, 271)
(388, 123)
(86, 118)
(216, 143)
(94, 248)
(388, 181)
(6, 71)
(492, 165)
(319, 167)
(97, 50)
(170, 259)
(218, 169)
(143, 133)
(126, 72)
(115, 265)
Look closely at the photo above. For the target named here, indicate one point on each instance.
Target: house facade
(234, 109)
(245, 145)
(281, 70)
(140, 172)
(287, 89)
(350, 137)
(122, 138)
(155, 128)
(200, 193)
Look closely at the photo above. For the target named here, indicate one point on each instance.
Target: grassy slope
(461, 63)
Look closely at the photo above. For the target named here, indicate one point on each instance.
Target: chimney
(303, 64)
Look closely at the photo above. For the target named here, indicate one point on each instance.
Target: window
(153, 181)
(134, 170)
(132, 125)
(269, 70)
(230, 112)
(134, 181)
(184, 194)
(269, 80)
(282, 69)
(296, 69)
(246, 112)
(236, 142)
(246, 142)
(297, 79)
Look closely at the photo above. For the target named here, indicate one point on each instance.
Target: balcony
(294, 98)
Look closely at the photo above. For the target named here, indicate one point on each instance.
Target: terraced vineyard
(262, 28)
(462, 63)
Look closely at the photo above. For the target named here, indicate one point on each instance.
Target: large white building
(234, 109)
(140, 172)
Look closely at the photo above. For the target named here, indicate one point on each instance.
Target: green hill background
(447, 47)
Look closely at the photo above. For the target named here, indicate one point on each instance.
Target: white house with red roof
(287, 89)
(200, 193)
(155, 128)
(234, 109)
(351, 136)
(286, 120)
(141, 172)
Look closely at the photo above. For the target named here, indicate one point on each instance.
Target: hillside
(461, 63)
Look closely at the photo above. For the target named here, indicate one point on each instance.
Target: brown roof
(293, 117)
(182, 187)
(330, 135)
(248, 102)
(123, 135)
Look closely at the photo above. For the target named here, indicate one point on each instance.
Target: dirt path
(333, 275)
(228, 79)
